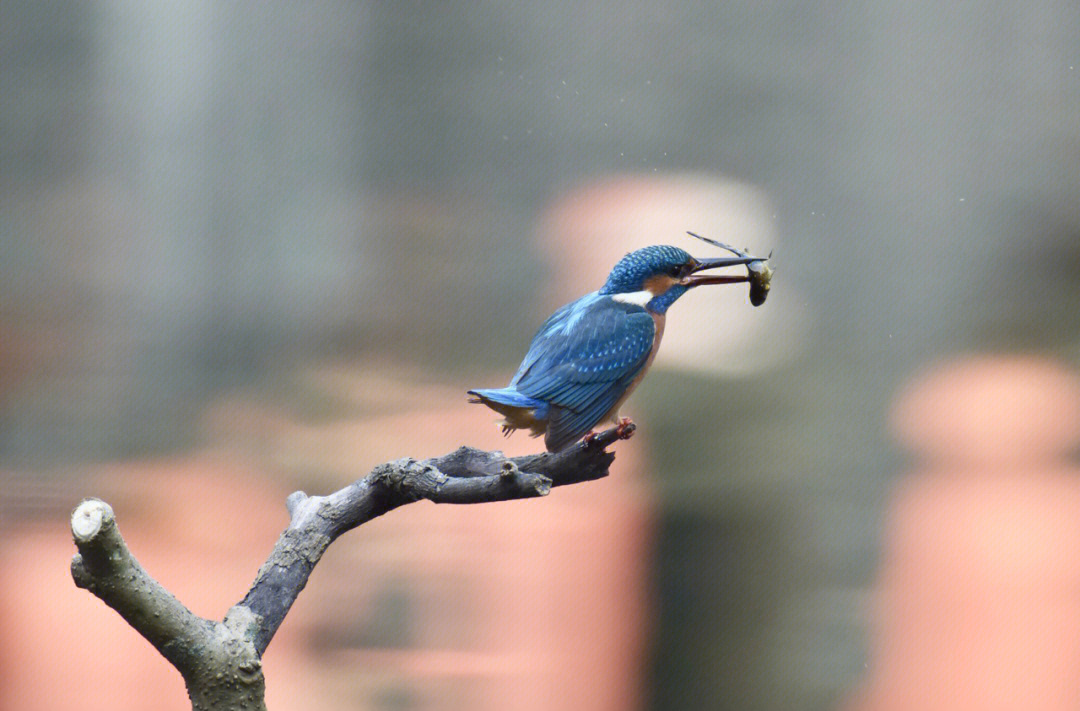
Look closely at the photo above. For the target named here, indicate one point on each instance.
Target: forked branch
(221, 661)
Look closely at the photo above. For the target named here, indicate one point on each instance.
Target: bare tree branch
(217, 674)
(465, 476)
(105, 567)
(220, 661)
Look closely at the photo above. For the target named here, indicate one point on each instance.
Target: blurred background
(247, 248)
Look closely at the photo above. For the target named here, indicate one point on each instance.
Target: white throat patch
(638, 298)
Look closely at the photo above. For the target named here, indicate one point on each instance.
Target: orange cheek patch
(660, 283)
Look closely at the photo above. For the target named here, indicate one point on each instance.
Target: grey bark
(221, 661)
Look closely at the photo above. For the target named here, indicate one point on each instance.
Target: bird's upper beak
(697, 279)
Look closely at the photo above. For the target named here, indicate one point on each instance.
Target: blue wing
(582, 361)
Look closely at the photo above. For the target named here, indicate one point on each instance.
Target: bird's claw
(624, 429)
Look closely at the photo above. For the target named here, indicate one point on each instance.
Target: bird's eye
(677, 271)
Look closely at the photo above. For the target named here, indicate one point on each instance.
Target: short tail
(505, 396)
(520, 411)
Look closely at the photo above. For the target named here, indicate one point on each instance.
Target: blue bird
(589, 355)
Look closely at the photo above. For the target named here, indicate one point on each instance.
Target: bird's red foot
(624, 429)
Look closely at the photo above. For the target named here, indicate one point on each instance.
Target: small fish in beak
(759, 272)
(760, 281)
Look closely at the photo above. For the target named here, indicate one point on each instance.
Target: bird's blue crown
(630, 273)
(633, 270)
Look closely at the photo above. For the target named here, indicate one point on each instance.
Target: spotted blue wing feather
(566, 425)
(581, 362)
(563, 320)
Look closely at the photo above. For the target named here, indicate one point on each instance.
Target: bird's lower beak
(697, 279)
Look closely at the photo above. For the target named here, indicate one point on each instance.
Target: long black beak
(740, 258)
(697, 279)
(758, 271)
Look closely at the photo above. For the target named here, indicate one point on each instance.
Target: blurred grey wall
(195, 195)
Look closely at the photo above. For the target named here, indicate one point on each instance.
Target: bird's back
(581, 362)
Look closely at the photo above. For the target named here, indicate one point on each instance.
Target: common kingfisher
(589, 355)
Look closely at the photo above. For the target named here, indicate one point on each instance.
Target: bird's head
(654, 277)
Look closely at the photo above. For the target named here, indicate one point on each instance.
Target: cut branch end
(89, 519)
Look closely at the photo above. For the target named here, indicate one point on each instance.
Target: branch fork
(221, 661)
